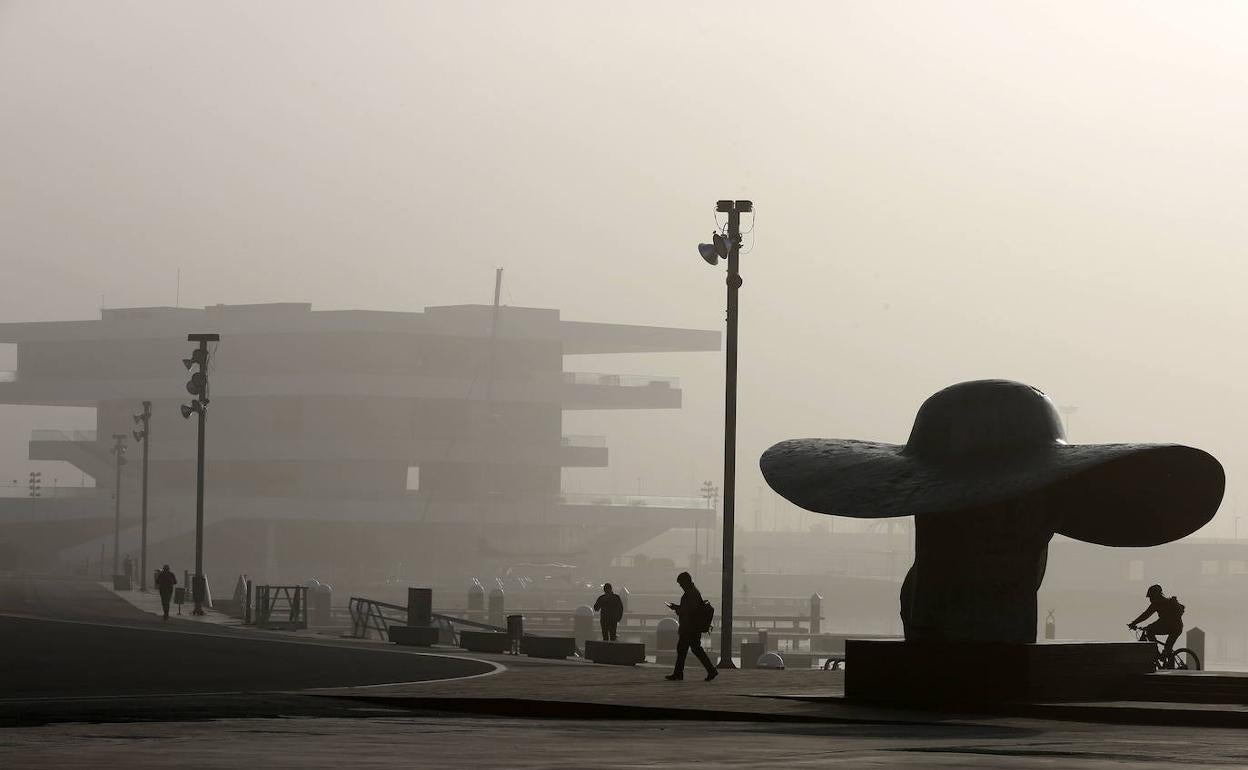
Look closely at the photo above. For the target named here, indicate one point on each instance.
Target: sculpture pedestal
(935, 673)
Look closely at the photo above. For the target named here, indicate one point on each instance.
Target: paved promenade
(81, 691)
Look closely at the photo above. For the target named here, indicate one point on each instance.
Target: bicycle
(1180, 659)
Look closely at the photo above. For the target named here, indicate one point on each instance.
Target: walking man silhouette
(165, 581)
(692, 614)
(610, 609)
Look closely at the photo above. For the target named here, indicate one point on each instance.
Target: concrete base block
(548, 646)
(895, 671)
(414, 636)
(121, 583)
(615, 653)
(484, 641)
(750, 653)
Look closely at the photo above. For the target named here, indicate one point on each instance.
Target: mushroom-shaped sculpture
(990, 479)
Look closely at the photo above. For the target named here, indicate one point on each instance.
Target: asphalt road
(66, 639)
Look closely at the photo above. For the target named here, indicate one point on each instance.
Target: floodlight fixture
(714, 251)
(198, 384)
(199, 357)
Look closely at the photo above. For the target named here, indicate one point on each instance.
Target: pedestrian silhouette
(165, 581)
(610, 609)
(694, 614)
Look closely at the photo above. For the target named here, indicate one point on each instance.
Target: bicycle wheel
(1186, 660)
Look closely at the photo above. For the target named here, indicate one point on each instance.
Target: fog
(1050, 193)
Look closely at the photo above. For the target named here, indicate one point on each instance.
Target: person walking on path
(165, 581)
(610, 609)
(694, 614)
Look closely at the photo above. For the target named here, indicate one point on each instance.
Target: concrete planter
(615, 653)
(548, 646)
(414, 636)
(484, 641)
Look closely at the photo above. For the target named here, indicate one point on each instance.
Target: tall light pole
(119, 449)
(198, 386)
(727, 245)
(144, 436)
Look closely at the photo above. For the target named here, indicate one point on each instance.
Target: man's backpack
(704, 616)
(1176, 605)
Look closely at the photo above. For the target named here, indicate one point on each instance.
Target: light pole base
(725, 664)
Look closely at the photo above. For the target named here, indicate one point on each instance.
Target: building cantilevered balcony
(323, 415)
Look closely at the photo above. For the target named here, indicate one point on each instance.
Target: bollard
(816, 613)
(750, 653)
(497, 614)
(1196, 643)
(583, 625)
(1050, 627)
(420, 607)
(666, 633)
(515, 632)
(476, 601)
(320, 602)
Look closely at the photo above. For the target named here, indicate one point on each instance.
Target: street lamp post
(119, 449)
(728, 246)
(144, 436)
(198, 386)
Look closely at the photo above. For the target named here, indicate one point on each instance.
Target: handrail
(583, 441)
(269, 598)
(368, 615)
(465, 622)
(50, 434)
(591, 498)
(373, 616)
(620, 380)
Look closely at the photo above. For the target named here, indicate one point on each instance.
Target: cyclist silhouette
(1169, 620)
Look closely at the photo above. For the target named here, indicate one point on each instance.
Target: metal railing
(369, 616)
(591, 498)
(44, 434)
(584, 441)
(22, 489)
(620, 380)
(284, 607)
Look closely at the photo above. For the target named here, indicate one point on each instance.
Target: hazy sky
(1049, 192)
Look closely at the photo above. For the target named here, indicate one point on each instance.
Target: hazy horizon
(945, 192)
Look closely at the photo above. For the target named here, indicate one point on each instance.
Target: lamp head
(198, 356)
(714, 251)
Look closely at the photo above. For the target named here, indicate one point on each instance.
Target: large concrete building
(353, 445)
